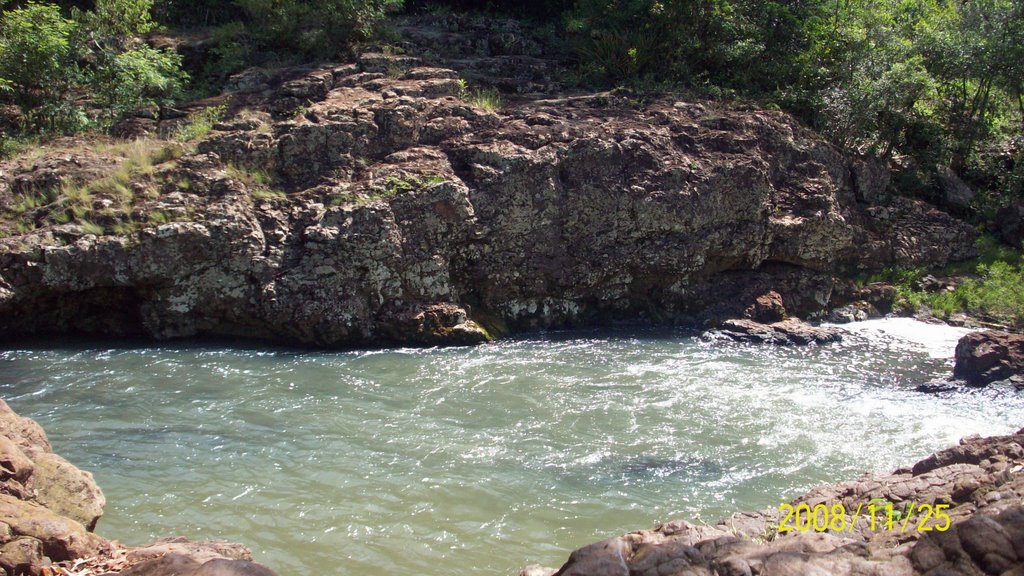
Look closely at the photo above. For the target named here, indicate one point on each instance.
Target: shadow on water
(81, 343)
(644, 470)
(691, 469)
(88, 343)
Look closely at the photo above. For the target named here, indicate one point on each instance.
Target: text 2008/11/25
(882, 515)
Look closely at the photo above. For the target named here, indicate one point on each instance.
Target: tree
(48, 63)
(137, 78)
(120, 18)
(38, 65)
(316, 29)
(973, 49)
(127, 74)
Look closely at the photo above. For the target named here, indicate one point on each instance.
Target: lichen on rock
(393, 195)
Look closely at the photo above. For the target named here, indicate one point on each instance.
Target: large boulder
(61, 538)
(67, 490)
(48, 507)
(786, 332)
(1009, 224)
(24, 432)
(954, 193)
(30, 470)
(767, 308)
(989, 356)
(178, 564)
(14, 464)
(23, 555)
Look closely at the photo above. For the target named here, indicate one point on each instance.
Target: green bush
(137, 78)
(120, 18)
(195, 12)
(315, 29)
(200, 123)
(38, 66)
(50, 64)
(231, 49)
(996, 291)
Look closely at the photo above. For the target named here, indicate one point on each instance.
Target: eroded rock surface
(979, 483)
(48, 507)
(766, 321)
(785, 332)
(989, 356)
(414, 216)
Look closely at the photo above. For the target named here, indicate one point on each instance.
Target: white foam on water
(937, 340)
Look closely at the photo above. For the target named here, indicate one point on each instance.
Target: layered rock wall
(414, 216)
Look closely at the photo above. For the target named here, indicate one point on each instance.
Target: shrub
(200, 123)
(138, 78)
(38, 66)
(487, 98)
(48, 63)
(316, 29)
(996, 292)
(120, 18)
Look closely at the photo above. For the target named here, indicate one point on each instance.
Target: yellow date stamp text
(875, 515)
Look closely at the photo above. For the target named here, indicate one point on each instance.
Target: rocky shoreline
(978, 484)
(49, 510)
(372, 203)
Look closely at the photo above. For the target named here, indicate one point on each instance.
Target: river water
(484, 459)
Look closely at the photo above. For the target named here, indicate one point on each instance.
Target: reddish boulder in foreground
(986, 357)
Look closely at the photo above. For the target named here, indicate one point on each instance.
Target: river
(483, 459)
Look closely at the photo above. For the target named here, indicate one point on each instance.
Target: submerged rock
(979, 484)
(989, 356)
(180, 557)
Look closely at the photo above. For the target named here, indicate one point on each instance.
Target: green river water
(485, 459)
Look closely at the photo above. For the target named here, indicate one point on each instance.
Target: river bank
(48, 514)
(354, 206)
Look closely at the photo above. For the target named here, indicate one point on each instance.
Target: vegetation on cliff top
(51, 60)
(937, 82)
(931, 83)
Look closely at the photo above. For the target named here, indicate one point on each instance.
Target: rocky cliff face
(414, 216)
